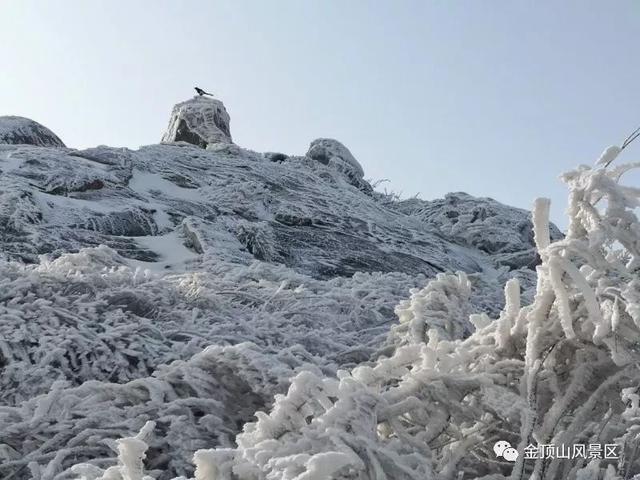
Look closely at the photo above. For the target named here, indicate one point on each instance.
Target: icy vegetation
(221, 314)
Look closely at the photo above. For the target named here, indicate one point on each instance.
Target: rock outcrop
(23, 131)
(334, 154)
(504, 232)
(201, 121)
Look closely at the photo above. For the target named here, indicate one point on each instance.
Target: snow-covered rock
(338, 157)
(332, 152)
(504, 232)
(242, 206)
(201, 120)
(20, 130)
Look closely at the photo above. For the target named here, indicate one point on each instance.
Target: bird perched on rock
(201, 92)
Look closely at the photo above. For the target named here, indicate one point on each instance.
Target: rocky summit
(200, 121)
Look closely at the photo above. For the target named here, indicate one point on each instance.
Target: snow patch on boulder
(200, 121)
(20, 130)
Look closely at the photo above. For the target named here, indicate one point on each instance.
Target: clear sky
(495, 98)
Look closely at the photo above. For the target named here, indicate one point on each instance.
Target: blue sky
(495, 98)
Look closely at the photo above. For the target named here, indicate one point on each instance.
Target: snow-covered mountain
(114, 263)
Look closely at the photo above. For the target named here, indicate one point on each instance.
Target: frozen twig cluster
(91, 349)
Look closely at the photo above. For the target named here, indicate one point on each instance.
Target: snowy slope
(115, 263)
(297, 212)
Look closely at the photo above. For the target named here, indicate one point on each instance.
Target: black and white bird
(201, 92)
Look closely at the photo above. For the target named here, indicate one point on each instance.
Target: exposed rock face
(275, 156)
(201, 121)
(20, 130)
